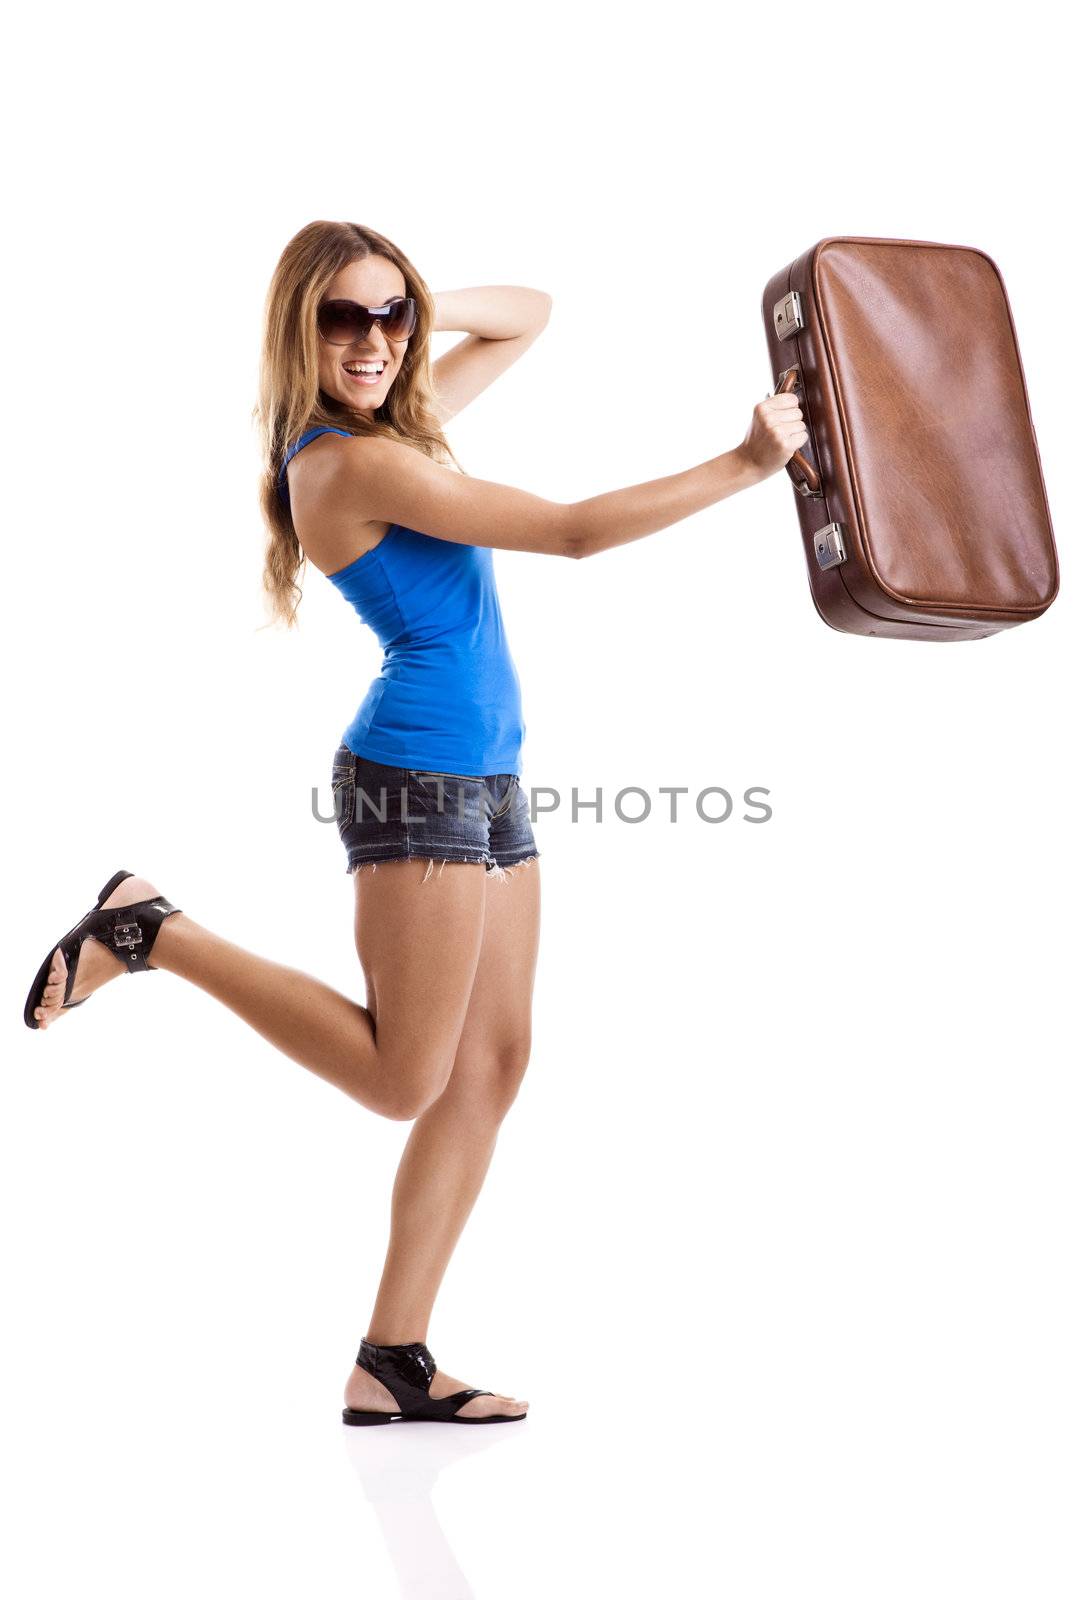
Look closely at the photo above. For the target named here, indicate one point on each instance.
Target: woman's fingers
(777, 428)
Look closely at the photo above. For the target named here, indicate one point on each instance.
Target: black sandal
(128, 931)
(407, 1371)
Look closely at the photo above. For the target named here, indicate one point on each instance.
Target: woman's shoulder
(328, 524)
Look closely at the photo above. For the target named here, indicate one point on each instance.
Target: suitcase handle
(803, 475)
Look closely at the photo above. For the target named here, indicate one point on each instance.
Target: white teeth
(357, 366)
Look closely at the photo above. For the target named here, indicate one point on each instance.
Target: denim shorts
(396, 813)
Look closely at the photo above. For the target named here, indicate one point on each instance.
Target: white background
(777, 1239)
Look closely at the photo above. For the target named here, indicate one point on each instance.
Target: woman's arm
(502, 322)
(606, 520)
(622, 515)
(376, 479)
(493, 311)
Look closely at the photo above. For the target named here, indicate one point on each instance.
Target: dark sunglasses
(346, 322)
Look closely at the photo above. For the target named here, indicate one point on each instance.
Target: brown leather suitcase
(920, 496)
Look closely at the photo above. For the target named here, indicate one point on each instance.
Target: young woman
(426, 778)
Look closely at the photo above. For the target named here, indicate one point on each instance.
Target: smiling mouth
(367, 373)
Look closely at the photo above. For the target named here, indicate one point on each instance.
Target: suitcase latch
(788, 316)
(829, 548)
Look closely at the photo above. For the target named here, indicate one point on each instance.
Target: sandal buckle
(125, 934)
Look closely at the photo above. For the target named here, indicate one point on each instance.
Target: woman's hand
(777, 430)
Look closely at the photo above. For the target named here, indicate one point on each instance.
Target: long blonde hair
(290, 399)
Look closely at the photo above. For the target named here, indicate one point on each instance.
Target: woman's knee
(412, 1087)
(490, 1080)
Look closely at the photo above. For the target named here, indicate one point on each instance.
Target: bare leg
(432, 928)
(449, 1151)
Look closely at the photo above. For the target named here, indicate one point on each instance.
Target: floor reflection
(398, 1466)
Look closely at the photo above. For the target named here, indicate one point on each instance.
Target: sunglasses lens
(400, 323)
(342, 321)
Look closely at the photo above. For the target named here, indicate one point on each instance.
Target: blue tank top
(447, 698)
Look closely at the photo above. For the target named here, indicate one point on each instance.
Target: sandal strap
(406, 1370)
(447, 1406)
(71, 944)
(135, 928)
(128, 931)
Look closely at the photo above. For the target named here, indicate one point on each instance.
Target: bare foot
(96, 963)
(364, 1392)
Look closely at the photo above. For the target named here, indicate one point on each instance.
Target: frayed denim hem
(493, 868)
